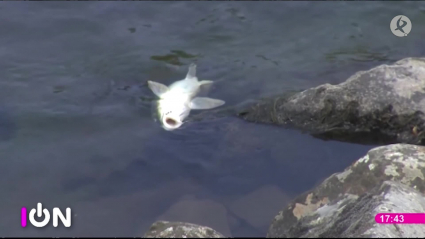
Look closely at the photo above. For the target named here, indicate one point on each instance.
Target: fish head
(171, 121)
(172, 114)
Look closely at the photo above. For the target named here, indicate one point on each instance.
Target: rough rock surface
(357, 219)
(383, 105)
(389, 178)
(164, 229)
(192, 209)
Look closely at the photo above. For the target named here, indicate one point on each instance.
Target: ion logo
(57, 214)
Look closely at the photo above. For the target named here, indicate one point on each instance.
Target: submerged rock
(164, 229)
(388, 179)
(380, 106)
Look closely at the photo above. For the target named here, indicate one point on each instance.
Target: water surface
(75, 118)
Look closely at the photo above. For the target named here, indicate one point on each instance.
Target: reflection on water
(359, 53)
(173, 57)
(76, 127)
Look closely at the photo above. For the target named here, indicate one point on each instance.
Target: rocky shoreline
(165, 229)
(387, 179)
(385, 106)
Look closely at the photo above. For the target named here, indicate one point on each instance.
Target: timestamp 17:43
(400, 218)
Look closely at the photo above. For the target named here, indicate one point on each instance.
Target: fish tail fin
(191, 73)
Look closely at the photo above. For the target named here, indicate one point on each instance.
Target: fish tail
(191, 73)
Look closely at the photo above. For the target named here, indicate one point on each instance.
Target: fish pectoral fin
(191, 73)
(205, 85)
(206, 82)
(205, 103)
(157, 88)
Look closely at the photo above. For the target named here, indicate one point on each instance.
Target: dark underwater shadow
(8, 126)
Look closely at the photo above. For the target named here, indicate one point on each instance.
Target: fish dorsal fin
(205, 103)
(157, 88)
(191, 73)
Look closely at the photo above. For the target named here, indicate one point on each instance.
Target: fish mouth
(171, 123)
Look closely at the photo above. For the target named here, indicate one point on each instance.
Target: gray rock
(383, 105)
(357, 219)
(192, 209)
(164, 229)
(388, 178)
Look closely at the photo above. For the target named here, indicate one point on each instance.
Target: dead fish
(178, 99)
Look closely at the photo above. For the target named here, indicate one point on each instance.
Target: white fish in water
(178, 99)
